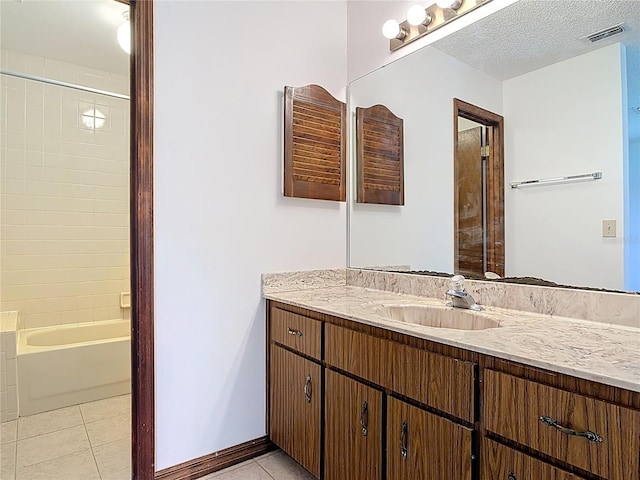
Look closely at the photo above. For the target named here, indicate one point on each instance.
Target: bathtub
(71, 364)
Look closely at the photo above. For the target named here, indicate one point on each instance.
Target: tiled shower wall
(64, 194)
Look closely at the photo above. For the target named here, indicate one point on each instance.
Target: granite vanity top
(600, 352)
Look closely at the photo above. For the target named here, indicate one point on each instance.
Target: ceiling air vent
(606, 33)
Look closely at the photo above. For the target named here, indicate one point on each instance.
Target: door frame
(142, 260)
(495, 182)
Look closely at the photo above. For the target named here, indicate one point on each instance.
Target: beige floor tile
(282, 467)
(77, 466)
(51, 445)
(7, 461)
(226, 470)
(107, 408)
(8, 431)
(113, 457)
(109, 430)
(118, 475)
(48, 422)
(250, 471)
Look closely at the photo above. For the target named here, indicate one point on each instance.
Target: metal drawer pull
(403, 439)
(291, 331)
(364, 419)
(589, 435)
(512, 476)
(307, 389)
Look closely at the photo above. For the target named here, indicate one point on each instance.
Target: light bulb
(416, 15)
(124, 36)
(454, 4)
(391, 29)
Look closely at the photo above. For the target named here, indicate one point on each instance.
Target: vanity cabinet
(422, 445)
(353, 429)
(354, 401)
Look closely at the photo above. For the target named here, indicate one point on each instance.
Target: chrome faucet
(459, 296)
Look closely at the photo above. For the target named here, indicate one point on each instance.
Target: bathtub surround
(8, 367)
(65, 200)
(592, 350)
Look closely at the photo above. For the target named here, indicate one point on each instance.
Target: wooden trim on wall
(141, 211)
(495, 182)
(213, 462)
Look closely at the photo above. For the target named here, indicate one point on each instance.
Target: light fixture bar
(440, 18)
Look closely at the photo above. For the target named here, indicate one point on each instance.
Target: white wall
(220, 217)
(65, 194)
(566, 119)
(419, 89)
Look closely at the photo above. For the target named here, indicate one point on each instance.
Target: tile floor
(272, 466)
(91, 441)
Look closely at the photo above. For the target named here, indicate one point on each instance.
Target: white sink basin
(441, 317)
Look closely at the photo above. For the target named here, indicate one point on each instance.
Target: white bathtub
(71, 364)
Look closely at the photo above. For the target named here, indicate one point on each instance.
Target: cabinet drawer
(441, 382)
(300, 333)
(555, 422)
(504, 463)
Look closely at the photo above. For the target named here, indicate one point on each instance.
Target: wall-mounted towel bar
(569, 178)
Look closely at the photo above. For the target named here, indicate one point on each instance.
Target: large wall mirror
(569, 107)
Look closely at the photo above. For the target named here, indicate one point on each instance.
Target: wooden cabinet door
(353, 429)
(296, 398)
(421, 445)
(504, 463)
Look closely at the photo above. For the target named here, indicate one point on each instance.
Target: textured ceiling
(80, 32)
(531, 34)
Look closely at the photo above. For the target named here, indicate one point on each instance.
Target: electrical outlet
(608, 228)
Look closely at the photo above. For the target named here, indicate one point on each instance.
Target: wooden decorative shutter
(314, 144)
(380, 157)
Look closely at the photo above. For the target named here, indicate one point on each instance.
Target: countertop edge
(563, 369)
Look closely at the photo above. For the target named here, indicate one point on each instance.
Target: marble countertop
(594, 351)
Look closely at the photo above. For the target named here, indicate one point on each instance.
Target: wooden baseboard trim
(213, 462)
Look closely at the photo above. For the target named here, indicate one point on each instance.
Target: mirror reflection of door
(470, 190)
(478, 191)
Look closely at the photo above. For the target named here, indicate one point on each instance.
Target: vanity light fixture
(418, 15)
(392, 30)
(452, 4)
(124, 33)
(421, 21)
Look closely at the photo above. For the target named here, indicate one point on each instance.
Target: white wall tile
(56, 173)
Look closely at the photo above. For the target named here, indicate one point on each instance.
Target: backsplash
(605, 307)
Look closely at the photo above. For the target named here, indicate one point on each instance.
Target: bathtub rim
(23, 335)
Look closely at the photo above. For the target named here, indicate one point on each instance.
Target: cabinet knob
(404, 440)
(512, 476)
(364, 419)
(307, 389)
(292, 331)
